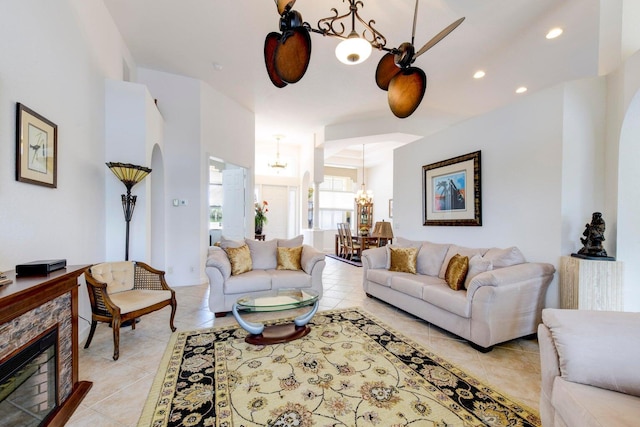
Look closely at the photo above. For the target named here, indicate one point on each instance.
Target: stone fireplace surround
(32, 305)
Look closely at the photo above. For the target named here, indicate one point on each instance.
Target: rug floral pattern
(351, 370)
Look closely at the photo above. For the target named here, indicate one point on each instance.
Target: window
(335, 201)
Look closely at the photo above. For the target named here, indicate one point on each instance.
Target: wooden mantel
(28, 293)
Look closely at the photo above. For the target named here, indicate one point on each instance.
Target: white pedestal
(590, 285)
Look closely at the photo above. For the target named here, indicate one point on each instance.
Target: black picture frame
(36, 148)
(451, 193)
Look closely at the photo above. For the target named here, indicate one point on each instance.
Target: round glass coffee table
(278, 300)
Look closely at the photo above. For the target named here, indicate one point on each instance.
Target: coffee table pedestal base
(277, 334)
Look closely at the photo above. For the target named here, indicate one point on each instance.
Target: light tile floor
(120, 387)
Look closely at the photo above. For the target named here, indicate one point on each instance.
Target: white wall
(195, 129)
(55, 58)
(522, 178)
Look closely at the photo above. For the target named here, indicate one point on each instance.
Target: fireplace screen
(28, 389)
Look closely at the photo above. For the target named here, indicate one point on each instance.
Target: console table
(32, 304)
(590, 284)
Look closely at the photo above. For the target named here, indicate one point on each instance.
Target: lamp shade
(353, 50)
(129, 174)
(383, 230)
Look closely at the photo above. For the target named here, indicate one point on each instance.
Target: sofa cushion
(501, 258)
(403, 259)
(380, 276)
(443, 296)
(453, 250)
(477, 265)
(457, 272)
(289, 258)
(587, 406)
(291, 243)
(430, 258)
(251, 281)
(411, 284)
(585, 341)
(117, 275)
(283, 279)
(240, 259)
(263, 254)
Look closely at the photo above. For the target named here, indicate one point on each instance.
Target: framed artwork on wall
(36, 148)
(451, 191)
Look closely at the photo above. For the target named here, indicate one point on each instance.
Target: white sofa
(503, 299)
(590, 366)
(225, 288)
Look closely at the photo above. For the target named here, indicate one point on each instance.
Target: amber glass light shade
(129, 174)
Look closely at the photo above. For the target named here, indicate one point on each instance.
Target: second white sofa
(502, 297)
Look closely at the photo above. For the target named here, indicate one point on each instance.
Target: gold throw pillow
(457, 272)
(240, 259)
(403, 259)
(289, 258)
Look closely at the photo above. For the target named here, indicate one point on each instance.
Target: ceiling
(221, 43)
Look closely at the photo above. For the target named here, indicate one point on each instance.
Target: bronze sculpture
(592, 241)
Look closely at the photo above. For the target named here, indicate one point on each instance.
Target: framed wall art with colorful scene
(451, 191)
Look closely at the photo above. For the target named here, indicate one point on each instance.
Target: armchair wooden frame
(104, 310)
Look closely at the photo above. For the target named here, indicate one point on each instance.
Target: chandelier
(277, 165)
(364, 196)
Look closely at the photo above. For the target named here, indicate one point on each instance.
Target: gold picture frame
(36, 148)
(452, 191)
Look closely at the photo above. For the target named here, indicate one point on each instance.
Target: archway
(157, 226)
(628, 241)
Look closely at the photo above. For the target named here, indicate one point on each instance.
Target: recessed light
(216, 66)
(521, 89)
(479, 74)
(553, 33)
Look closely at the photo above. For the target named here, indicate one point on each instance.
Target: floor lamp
(130, 175)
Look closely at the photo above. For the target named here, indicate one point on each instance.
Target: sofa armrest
(534, 272)
(218, 259)
(374, 258)
(310, 257)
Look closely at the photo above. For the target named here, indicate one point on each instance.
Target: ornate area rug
(351, 370)
(348, 261)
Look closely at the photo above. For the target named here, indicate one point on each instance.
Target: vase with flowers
(261, 217)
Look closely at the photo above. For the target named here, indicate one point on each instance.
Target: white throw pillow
(228, 243)
(291, 243)
(477, 265)
(264, 255)
(453, 250)
(501, 258)
(431, 257)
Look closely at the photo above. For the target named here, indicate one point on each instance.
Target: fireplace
(39, 383)
(28, 382)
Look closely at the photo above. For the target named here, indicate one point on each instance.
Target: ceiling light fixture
(353, 49)
(479, 74)
(364, 196)
(277, 165)
(553, 33)
(521, 89)
(287, 53)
